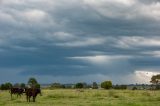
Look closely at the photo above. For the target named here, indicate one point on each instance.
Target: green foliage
(95, 85)
(19, 85)
(155, 79)
(96, 97)
(2, 87)
(134, 88)
(22, 85)
(6, 86)
(106, 84)
(33, 82)
(120, 87)
(79, 85)
(57, 85)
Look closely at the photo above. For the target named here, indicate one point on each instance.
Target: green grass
(72, 97)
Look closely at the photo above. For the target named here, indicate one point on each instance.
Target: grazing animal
(32, 92)
(18, 91)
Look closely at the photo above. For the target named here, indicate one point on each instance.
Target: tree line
(32, 82)
(94, 85)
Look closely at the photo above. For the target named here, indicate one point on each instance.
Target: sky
(71, 41)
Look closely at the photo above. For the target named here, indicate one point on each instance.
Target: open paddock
(73, 97)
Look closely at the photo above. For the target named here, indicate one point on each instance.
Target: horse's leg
(20, 95)
(11, 96)
(33, 98)
(29, 98)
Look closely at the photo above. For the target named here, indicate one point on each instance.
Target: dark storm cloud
(79, 37)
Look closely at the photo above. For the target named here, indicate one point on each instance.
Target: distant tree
(95, 85)
(79, 85)
(121, 87)
(3, 87)
(124, 86)
(63, 86)
(33, 83)
(155, 80)
(6, 86)
(22, 85)
(134, 88)
(16, 85)
(57, 85)
(106, 84)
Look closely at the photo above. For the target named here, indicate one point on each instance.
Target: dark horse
(32, 92)
(18, 91)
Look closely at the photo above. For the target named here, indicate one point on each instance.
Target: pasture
(73, 97)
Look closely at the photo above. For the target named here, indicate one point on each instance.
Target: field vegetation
(85, 97)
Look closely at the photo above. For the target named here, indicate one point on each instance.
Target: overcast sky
(72, 41)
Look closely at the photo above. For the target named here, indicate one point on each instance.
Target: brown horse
(32, 92)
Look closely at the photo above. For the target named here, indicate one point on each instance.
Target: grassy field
(72, 97)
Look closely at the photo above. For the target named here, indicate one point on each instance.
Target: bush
(57, 85)
(3, 87)
(134, 88)
(106, 84)
(120, 87)
(22, 85)
(6, 86)
(79, 85)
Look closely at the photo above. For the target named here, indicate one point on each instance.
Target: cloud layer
(84, 39)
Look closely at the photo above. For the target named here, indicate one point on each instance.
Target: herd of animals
(30, 92)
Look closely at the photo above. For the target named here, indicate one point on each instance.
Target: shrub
(57, 85)
(120, 87)
(106, 84)
(22, 85)
(134, 88)
(79, 85)
(6, 86)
